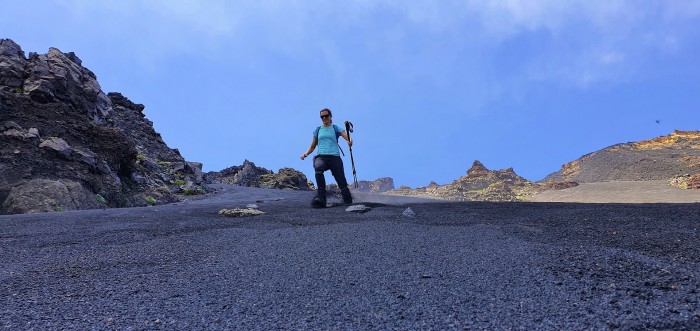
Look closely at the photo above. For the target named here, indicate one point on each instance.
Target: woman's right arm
(314, 142)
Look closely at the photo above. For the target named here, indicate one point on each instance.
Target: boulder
(285, 178)
(245, 175)
(10, 125)
(195, 168)
(12, 73)
(47, 195)
(58, 145)
(686, 181)
(13, 130)
(85, 156)
(251, 175)
(57, 76)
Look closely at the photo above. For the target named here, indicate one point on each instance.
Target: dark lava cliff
(66, 145)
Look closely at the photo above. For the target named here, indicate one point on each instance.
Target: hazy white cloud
(681, 9)
(611, 58)
(210, 17)
(503, 19)
(584, 38)
(587, 38)
(214, 17)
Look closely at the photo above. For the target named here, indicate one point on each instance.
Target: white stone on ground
(358, 209)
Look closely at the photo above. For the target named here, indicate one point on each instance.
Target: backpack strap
(337, 136)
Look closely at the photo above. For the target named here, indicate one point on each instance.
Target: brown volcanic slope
(662, 158)
(664, 169)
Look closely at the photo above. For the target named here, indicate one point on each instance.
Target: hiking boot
(347, 196)
(318, 202)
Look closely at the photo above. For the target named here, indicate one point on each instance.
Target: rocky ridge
(248, 174)
(379, 185)
(675, 157)
(482, 184)
(66, 145)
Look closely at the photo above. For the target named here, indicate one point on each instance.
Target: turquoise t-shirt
(327, 142)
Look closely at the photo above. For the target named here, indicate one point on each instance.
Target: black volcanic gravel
(521, 266)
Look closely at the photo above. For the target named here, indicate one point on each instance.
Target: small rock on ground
(240, 212)
(358, 209)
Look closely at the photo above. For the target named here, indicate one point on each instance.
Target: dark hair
(328, 110)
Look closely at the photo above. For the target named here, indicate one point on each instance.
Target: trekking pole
(348, 128)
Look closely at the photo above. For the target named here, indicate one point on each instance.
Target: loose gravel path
(523, 266)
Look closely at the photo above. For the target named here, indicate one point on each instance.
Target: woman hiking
(328, 158)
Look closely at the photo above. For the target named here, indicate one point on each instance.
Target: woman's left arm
(344, 134)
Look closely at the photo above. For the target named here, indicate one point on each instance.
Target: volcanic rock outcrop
(380, 185)
(675, 157)
(482, 184)
(65, 144)
(248, 174)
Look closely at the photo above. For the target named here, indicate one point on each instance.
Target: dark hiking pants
(335, 164)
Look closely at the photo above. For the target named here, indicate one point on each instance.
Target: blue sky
(430, 86)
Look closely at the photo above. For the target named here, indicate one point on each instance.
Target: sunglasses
(325, 116)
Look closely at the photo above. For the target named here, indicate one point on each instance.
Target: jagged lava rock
(379, 185)
(57, 126)
(248, 174)
(482, 184)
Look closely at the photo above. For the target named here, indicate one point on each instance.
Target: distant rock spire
(477, 170)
